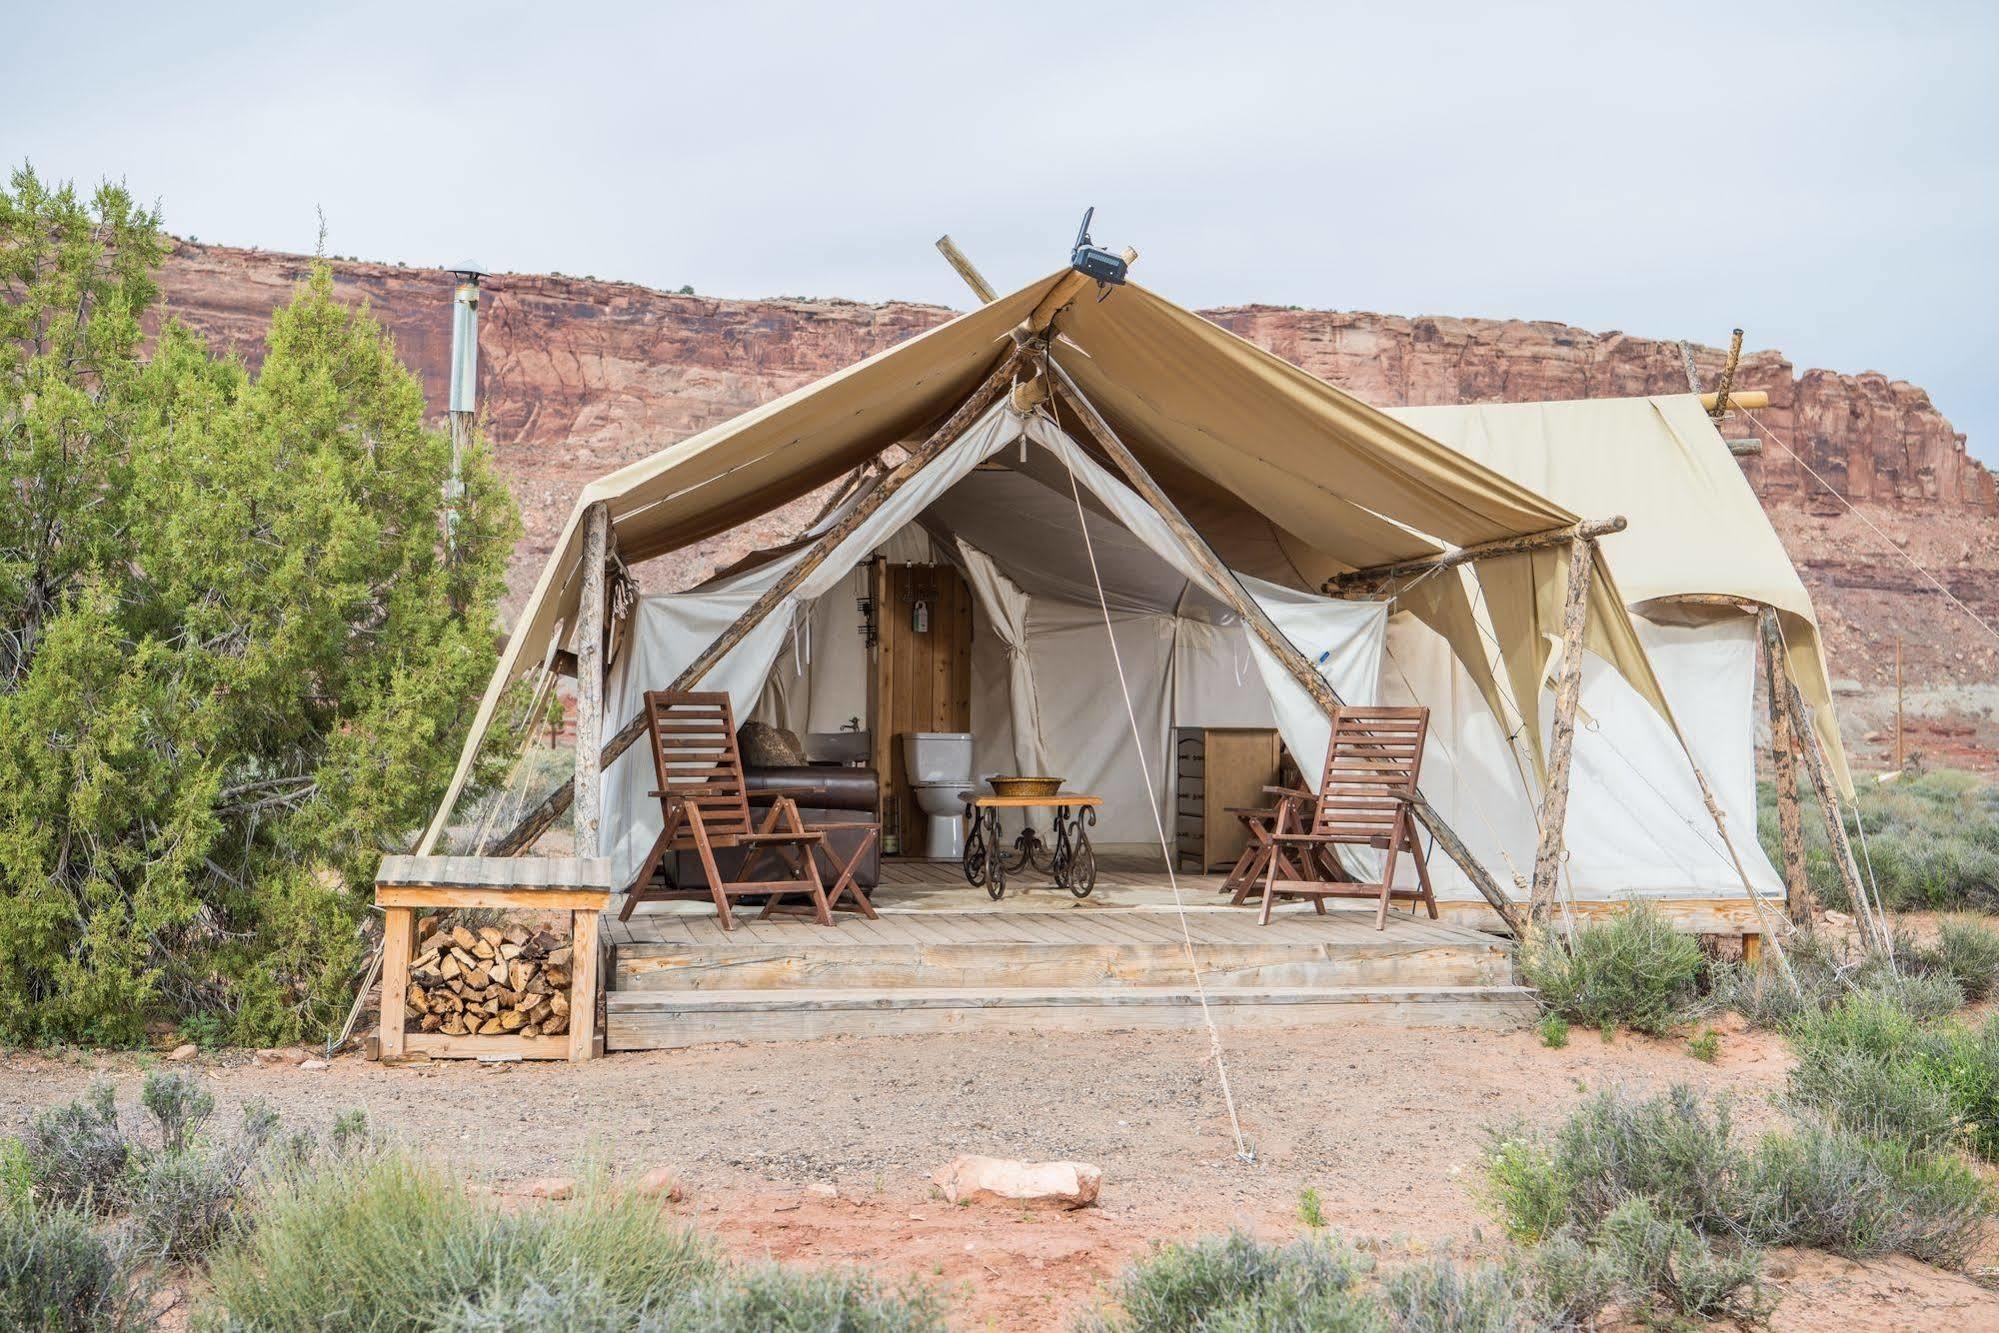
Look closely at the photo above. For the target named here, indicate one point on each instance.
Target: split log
(522, 990)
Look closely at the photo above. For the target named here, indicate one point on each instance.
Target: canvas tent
(1227, 486)
(1698, 558)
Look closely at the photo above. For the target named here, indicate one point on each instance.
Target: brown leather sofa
(845, 796)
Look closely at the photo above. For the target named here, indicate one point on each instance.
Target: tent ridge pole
(1588, 530)
(1562, 737)
(537, 820)
(1260, 623)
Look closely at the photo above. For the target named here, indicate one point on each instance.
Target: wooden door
(921, 680)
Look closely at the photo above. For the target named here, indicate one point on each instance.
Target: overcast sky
(1822, 174)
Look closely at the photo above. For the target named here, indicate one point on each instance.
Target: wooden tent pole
(966, 270)
(1820, 773)
(1360, 580)
(1784, 760)
(537, 820)
(1562, 739)
(1259, 622)
(589, 776)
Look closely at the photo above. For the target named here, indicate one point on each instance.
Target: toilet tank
(937, 756)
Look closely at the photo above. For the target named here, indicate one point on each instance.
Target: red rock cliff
(580, 376)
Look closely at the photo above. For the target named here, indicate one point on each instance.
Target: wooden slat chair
(1259, 824)
(1365, 799)
(704, 805)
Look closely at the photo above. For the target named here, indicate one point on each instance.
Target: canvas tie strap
(1244, 1153)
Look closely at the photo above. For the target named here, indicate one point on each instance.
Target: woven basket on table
(1019, 786)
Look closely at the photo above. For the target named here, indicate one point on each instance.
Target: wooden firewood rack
(406, 885)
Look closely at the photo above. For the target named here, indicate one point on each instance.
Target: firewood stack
(489, 982)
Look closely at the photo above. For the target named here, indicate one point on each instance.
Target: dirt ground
(1385, 1124)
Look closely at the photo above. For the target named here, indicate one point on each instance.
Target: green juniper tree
(235, 660)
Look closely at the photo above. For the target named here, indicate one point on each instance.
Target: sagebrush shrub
(184, 1204)
(773, 1299)
(324, 1227)
(1832, 1189)
(1442, 1297)
(1574, 1279)
(1969, 953)
(1822, 1185)
(77, 1153)
(1631, 970)
(58, 1274)
(1932, 842)
(1665, 1256)
(1236, 1281)
(179, 1106)
(1676, 1149)
(1870, 1065)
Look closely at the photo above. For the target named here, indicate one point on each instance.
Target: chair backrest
(694, 756)
(1373, 760)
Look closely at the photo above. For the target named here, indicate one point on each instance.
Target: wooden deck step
(1052, 949)
(1080, 961)
(660, 1020)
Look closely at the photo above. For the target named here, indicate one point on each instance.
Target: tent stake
(1259, 622)
(1562, 740)
(537, 820)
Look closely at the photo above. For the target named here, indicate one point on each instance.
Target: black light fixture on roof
(1091, 262)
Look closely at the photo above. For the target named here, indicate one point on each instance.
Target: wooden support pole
(537, 820)
(1784, 761)
(1259, 622)
(589, 779)
(583, 984)
(1360, 579)
(398, 935)
(1727, 380)
(1820, 773)
(1562, 739)
(965, 269)
(1752, 400)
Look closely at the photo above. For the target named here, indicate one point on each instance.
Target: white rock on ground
(185, 1051)
(1035, 1184)
(661, 1182)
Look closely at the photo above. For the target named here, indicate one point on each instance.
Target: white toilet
(939, 764)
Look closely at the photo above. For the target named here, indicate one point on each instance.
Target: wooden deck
(944, 957)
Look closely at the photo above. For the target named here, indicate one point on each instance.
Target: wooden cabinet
(1215, 768)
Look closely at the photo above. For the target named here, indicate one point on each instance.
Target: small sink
(836, 747)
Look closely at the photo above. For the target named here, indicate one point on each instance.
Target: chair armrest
(1291, 793)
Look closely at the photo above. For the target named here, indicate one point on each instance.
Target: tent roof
(1273, 463)
(1267, 456)
(1696, 526)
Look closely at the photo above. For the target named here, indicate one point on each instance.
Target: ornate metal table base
(1070, 862)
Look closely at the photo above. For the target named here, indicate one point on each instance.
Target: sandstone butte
(579, 376)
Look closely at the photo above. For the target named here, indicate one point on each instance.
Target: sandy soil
(1385, 1124)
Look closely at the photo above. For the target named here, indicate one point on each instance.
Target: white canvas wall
(1637, 824)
